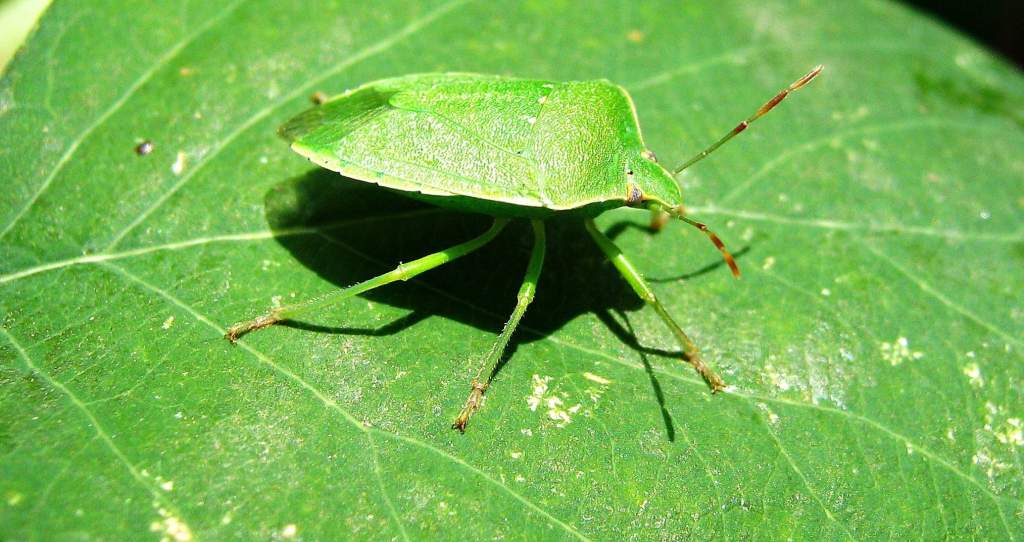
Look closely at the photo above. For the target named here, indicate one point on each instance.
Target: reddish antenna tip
(807, 78)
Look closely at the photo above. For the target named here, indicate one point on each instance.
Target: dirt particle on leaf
(144, 148)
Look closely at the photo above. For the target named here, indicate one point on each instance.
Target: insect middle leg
(493, 356)
(636, 281)
(402, 272)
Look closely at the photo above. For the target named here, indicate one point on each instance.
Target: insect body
(509, 148)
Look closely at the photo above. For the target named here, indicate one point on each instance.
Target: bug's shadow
(363, 230)
(348, 231)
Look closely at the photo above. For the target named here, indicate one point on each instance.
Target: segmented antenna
(743, 125)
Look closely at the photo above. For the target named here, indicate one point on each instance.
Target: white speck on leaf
(540, 387)
(594, 378)
(179, 163)
(769, 262)
(172, 528)
(516, 455)
(973, 373)
(1011, 432)
(777, 378)
(826, 292)
(554, 404)
(531, 120)
(899, 351)
(773, 418)
(167, 486)
(168, 322)
(289, 531)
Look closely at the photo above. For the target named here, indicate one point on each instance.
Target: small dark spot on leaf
(144, 148)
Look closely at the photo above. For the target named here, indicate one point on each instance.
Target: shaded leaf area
(873, 345)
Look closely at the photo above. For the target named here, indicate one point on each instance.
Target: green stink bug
(509, 148)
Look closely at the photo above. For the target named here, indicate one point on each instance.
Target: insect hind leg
(493, 356)
(402, 272)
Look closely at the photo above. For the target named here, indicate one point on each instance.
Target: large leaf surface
(873, 345)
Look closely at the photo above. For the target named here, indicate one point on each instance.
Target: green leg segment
(493, 356)
(633, 277)
(402, 272)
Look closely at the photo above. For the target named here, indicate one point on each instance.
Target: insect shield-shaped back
(525, 144)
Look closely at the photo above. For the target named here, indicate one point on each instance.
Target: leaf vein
(101, 433)
(333, 405)
(367, 52)
(161, 62)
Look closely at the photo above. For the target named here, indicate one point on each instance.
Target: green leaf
(873, 345)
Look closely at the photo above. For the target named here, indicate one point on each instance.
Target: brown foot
(714, 381)
(476, 396)
(237, 330)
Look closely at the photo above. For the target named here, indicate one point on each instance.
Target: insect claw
(239, 329)
(473, 402)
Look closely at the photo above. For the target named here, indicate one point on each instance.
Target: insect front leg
(636, 281)
(493, 356)
(659, 217)
(402, 272)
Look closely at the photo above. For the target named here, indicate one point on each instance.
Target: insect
(509, 148)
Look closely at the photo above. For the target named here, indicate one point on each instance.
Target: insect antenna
(743, 125)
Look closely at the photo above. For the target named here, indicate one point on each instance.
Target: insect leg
(636, 281)
(659, 217)
(402, 272)
(493, 356)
